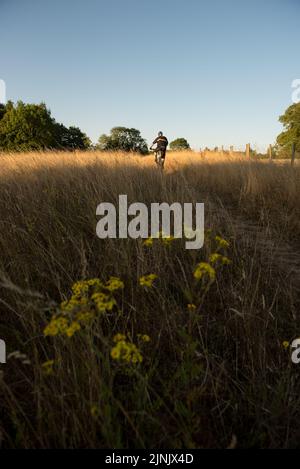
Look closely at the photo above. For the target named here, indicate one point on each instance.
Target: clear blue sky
(216, 72)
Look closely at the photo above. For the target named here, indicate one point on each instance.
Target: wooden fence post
(270, 152)
(293, 153)
(248, 150)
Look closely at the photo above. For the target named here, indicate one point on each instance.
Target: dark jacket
(162, 142)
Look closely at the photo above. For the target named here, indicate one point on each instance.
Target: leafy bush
(123, 139)
(27, 127)
(179, 144)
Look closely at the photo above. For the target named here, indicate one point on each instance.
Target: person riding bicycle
(161, 143)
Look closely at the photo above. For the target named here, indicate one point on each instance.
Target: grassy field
(182, 362)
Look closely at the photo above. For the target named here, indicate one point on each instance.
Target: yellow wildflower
(94, 282)
(215, 258)
(225, 260)
(192, 307)
(147, 280)
(47, 367)
(114, 284)
(144, 338)
(51, 329)
(82, 287)
(285, 344)
(85, 317)
(167, 240)
(222, 242)
(72, 329)
(89, 296)
(57, 325)
(119, 337)
(115, 353)
(148, 242)
(204, 270)
(136, 358)
(103, 302)
(126, 352)
(74, 303)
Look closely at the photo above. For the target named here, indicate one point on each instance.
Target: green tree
(291, 122)
(25, 127)
(180, 144)
(123, 139)
(71, 138)
(2, 110)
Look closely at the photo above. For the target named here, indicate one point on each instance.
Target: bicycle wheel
(160, 161)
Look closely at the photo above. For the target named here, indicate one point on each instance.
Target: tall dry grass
(209, 372)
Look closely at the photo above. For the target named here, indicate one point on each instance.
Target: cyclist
(161, 143)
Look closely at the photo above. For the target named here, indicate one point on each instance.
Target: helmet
(160, 134)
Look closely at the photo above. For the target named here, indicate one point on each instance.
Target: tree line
(27, 127)
(291, 134)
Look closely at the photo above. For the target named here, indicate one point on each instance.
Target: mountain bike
(159, 157)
